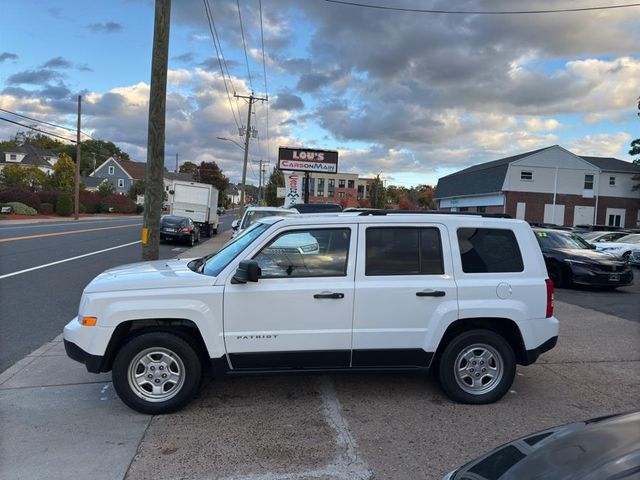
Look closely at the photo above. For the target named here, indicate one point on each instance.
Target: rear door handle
(430, 293)
(329, 295)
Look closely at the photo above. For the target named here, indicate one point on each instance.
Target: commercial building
(347, 189)
(549, 185)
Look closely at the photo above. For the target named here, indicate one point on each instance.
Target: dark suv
(179, 228)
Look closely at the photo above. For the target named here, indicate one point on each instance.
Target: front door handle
(430, 293)
(329, 295)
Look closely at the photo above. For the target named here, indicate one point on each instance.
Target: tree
(276, 179)
(377, 193)
(635, 150)
(209, 172)
(106, 188)
(188, 167)
(64, 174)
(136, 189)
(30, 178)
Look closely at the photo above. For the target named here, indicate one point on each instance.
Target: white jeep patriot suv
(465, 295)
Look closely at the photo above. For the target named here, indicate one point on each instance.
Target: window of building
(464, 209)
(350, 184)
(612, 181)
(306, 253)
(526, 175)
(360, 192)
(13, 156)
(331, 187)
(340, 194)
(312, 184)
(588, 182)
(489, 250)
(120, 182)
(341, 183)
(481, 209)
(321, 187)
(403, 251)
(112, 170)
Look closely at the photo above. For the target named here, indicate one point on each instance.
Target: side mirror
(248, 271)
(235, 224)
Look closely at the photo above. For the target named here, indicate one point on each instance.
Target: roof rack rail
(430, 212)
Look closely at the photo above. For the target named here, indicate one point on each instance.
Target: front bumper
(585, 276)
(92, 362)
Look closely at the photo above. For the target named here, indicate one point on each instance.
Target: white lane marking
(347, 465)
(80, 222)
(7, 275)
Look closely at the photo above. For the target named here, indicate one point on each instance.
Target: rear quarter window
(489, 250)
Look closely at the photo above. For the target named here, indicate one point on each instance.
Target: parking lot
(312, 426)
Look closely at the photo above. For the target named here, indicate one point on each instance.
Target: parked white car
(599, 237)
(252, 214)
(622, 247)
(465, 295)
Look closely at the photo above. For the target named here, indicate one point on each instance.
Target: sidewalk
(59, 421)
(25, 220)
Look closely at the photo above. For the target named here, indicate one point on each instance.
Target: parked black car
(317, 207)
(179, 228)
(572, 260)
(601, 448)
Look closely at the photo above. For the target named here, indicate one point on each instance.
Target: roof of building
(488, 177)
(187, 177)
(137, 170)
(33, 155)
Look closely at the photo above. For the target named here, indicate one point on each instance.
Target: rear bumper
(530, 356)
(92, 362)
(603, 279)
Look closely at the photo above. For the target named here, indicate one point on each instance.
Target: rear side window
(489, 250)
(403, 251)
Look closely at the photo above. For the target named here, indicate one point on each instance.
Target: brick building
(550, 185)
(347, 189)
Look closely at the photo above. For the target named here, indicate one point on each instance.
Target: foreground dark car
(572, 260)
(598, 449)
(179, 228)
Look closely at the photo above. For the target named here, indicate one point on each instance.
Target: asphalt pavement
(39, 295)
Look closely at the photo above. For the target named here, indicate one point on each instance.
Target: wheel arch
(505, 327)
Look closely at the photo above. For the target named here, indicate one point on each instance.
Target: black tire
(198, 237)
(185, 361)
(556, 274)
(191, 241)
(476, 341)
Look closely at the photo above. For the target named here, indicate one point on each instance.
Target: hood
(172, 273)
(617, 245)
(592, 256)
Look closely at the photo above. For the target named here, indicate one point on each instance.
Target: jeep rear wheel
(156, 372)
(477, 367)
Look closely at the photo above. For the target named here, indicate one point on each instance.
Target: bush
(91, 202)
(82, 209)
(21, 196)
(49, 196)
(118, 204)
(21, 208)
(139, 208)
(46, 209)
(64, 207)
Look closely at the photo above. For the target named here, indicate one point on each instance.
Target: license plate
(614, 277)
(170, 229)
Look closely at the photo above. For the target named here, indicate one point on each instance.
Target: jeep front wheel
(477, 367)
(156, 372)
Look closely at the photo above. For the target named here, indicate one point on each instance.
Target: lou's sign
(307, 160)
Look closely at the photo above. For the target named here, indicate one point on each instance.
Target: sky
(409, 96)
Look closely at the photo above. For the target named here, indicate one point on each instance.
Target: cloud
(184, 58)
(605, 145)
(57, 62)
(33, 77)
(4, 56)
(105, 27)
(288, 101)
(537, 124)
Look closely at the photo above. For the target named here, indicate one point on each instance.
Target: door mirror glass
(248, 271)
(235, 224)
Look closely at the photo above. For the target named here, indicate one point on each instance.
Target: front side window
(489, 250)
(403, 251)
(306, 253)
(588, 182)
(214, 264)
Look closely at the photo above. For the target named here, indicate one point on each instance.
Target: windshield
(217, 262)
(562, 240)
(252, 216)
(633, 238)
(591, 235)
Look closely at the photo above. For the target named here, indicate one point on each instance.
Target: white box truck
(198, 201)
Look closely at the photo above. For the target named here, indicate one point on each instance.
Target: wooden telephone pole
(153, 192)
(76, 208)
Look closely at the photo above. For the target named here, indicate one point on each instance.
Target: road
(38, 298)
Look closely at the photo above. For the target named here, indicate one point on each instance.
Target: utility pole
(251, 99)
(153, 191)
(176, 163)
(76, 209)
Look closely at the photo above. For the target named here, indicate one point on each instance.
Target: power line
(43, 122)
(213, 37)
(485, 12)
(264, 68)
(37, 130)
(244, 45)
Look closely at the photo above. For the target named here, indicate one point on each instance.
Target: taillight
(550, 289)
(187, 229)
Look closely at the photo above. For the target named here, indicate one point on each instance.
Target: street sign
(307, 160)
